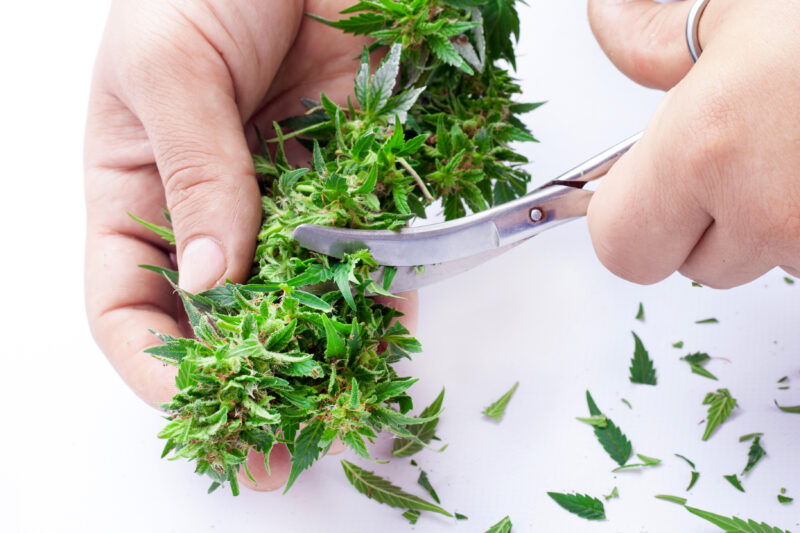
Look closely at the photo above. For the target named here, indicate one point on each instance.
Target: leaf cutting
(720, 404)
(642, 370)
(581, 505)
(498, 408)
(611, 438)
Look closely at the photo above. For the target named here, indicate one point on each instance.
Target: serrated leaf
(720, 403)
(733, 479)
(598, 420)
(425, 483)
(385, 77)
(611, 438)
(335, 345)
(582, 505)
(754, 455)
(306, 450)
(642, 370)
(424, 431)
(162, 231)
(308, 299)
(383, 491)
(498, 408)
(412, 516)
(735, 525)
(784, 499)
(444, 50)
(503, 526)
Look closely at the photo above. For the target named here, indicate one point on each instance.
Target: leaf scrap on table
(581, 505)
(642, 370)
(720, 405)
(498, 408)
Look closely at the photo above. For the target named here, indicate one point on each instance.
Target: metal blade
(409, 247)
(410, 277)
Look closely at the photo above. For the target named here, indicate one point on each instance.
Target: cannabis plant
(300, 355)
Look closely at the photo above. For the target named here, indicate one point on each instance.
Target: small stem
(425, 192)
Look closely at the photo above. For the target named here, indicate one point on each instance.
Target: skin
(709, 190)
(177, 88)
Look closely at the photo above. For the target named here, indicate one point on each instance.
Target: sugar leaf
(646, 461)
(695, 477)
(690, 463)
(788, 280)
(412, 515)
(673, 499)
(708, 321)
(496, 409)
(383, 491)
(460, 516)
(582, 505)
(503, 526)
(642, 370)
(423, 432)
(306, 450)
(614, 494)
(626, 402)
(425, 483)
(598, 421)
(720, 404)
(640, 313)
(784, 499)
(678, 345)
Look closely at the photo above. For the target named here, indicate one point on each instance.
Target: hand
(712, 188)
(177, 89)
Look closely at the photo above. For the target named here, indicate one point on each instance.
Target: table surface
(82, 449)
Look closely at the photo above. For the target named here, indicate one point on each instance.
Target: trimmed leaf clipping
(720, 404)
(580, 504)
(611, 438)
(503, 526)
(642, 370)
(424, 431)
(498, 408)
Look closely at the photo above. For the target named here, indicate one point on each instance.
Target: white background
(79, 450)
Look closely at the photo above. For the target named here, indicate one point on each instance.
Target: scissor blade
(426, 245)
(410, 277)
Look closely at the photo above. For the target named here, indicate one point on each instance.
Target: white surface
(80, 452)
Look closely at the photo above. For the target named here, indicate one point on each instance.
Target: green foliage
(720, 404)
(708, 321)
(420, 434)
(735, 525)
(382, 490)
(611, 438)
(755, 454)
(673, 499)
(733, 479)
(642, 370)
(640, 312)
(425, 483)
(498, 408)
(794, 409)
(613, 494)
(580, 504)
(646, 461)
(299, 355)
(503, 526)
(696, 362)
(695, 473)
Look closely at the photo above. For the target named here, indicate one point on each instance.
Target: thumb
(644, 39)
(196, 133)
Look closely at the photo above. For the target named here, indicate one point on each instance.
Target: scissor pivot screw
(537, 215)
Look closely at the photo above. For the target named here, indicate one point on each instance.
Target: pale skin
(709, 190)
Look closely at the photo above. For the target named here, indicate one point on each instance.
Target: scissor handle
(558, 201)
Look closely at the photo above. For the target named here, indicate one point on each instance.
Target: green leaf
(646, 461)
(613, 494)
(788, 409)
(673, 499)
(503, 526)
(336, 347)
(383, 491)
(735, 525)
(695, 477)
(611, 438)
(498, 408)
(690, 463)
(788, 280)
(444, 50)
(385, 77)
(640, 313)
(642, 370)
(733, 479)
(599, 421)
(412, 516)
(708, 321)
(754, 455)
(678, 345)
(168, 273)
(309, 300)
(162, 231)
(720, 403)
(423, 432)
(363, 89)
(306, 450)
(784, 499)
(425, 483)
(580, 504)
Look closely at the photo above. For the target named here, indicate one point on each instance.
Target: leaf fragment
(503, 526)
(581, 505)
(708, 321)
(642, 370)
(422, 432)
(720, 404)
(611, 438)
(640, 312)
(498, 408)
(733, 479)
(795, 409)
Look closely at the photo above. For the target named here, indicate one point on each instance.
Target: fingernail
(201, 266)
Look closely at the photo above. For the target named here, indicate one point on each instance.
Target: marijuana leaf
(788, 280)
(678, 345)
(614, 494)
(425, 483)
(642, 370)
(496, 409)
(696, 362)
(412, 516)
(580, 504)
(695, 473)
(640, 313)
(673, 499)
(422, 433)
(383, 491)
(503, 526)
(755, 454)
(782, 498)
(598, 421)
(720, 403)
(614, 442)
(735, 525)
(733, 479)
(162, 231)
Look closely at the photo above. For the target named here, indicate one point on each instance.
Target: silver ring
(693, 26)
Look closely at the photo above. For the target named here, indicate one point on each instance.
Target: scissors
(428, 254)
